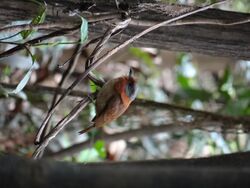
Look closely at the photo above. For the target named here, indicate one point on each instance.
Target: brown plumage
(113, 100)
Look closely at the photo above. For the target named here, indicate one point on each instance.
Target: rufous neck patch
(120, 88)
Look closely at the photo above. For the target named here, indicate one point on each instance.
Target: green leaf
(37, 20)
(100, 148)
(243, 93)
(93, 86)
(194, 94)
(3, 92)
(237, 107)
(25, 79)
(23, 82)
(84, 30)
(88, 155)
(179, 58)
(7, 71)
(183, 81)
(225, 86)
(137, 52)
(186, 72)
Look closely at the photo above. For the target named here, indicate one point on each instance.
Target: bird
(113, 100)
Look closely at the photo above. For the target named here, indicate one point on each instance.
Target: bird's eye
(131, 90)
(131, 85)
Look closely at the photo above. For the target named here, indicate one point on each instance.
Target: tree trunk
(216, 40)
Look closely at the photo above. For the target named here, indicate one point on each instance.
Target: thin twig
(22, 27)
(37, 40)
(92, 41)
(194, 21)
(74, 112)
(71, 66)
(112, 31)
(45, 89)
(11, 36)
(245, 121)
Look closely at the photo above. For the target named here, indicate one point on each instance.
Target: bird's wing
(104, 95)
(113, 109)
(106, 114)
(102, 108)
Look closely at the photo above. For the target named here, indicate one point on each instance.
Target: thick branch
(219, 40)
(227, 122)
(228, 171)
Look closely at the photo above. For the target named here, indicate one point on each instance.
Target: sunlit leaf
(93, 86)
(183, 81)
(100, 148)
(84, 30)
(23, 82)
(88, 155)
(6, 71)
(25, 79)
(179, 58)
(21, 95)
(226, 88)
(186, 72)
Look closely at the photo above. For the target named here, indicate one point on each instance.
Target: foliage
(236, 99)
(100, 148)
(40, 18)
(84, 30)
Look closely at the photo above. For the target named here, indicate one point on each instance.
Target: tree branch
(241, 122)
(143, 131)
(228, 171)
(45, 89)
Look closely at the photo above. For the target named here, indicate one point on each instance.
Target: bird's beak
(130, 74)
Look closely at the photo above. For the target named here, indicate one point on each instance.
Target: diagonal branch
(245, 121)
(43, 131)
(61, 124)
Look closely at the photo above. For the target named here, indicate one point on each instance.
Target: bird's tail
(87, 129)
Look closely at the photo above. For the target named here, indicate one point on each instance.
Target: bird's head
(131, 87)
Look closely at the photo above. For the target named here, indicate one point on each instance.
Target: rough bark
(221, 171)
(227, 41)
